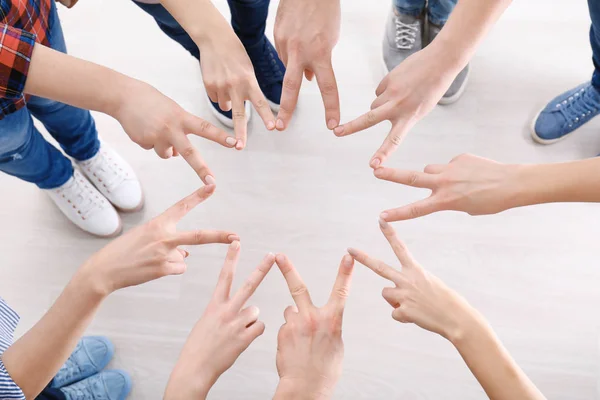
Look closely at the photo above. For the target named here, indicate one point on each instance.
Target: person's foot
(106, 385)
(86, 207)
(565, 113)
(459, 84)
(114, 178)
(226, 117)
(91, 355)
(269, 71)
(403, 37)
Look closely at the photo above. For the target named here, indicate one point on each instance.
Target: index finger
(377, 266)
(365, 121)
(190, 154)
(329, 93)
(406, 259)
(199, 127)
(341, 288)
(223, 287)
(289, 94)
(254, 280)
(261, 106)
(177, 211)
(391, 142)
(408, 178)
(298, 289)
(240, 123)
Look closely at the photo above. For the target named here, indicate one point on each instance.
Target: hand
(305, 34)
(468, 183)
(407, 94)
(310, 349)
(229, 79)
(150, 251)
(153, 120)
(418, 297)
(223, 333)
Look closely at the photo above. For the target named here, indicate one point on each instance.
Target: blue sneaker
(91, 355)
(269, 71)
(566, 113)
(107, 385)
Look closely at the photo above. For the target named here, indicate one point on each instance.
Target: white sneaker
(86, 207)
(114, 178)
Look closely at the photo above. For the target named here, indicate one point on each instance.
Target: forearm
(287, 390)
(73, 81)
(577, 181)
(199, 18)
(468, 24)
(491, 364)
(33, 360)
(186, 384)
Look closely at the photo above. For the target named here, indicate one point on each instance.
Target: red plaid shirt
(22, 24)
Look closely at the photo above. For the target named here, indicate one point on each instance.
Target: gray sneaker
(403, 37)
(460, 82)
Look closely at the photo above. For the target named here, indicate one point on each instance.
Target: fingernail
(332, 123)
(280, 124)
(382, 222)
(352, 251)
(239, 145)
(375, 163)
(231, 141)
(234, 245)
(339, 130)
(233, 238)
(210, 180)
(280, 258)
(270, 257)
(270, 125)
(347, 260)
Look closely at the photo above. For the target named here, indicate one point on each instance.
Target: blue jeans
(248, 19)
(438, 11)
(594, 6)
(25, 153)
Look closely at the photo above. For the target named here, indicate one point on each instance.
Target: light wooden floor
(533, 272)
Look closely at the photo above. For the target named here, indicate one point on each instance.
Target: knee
(16, 131)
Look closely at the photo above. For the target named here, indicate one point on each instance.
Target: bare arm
(479, 186)
(423, 299)
(227, 71)
(490, 362)
(411, 90)
(145, 253)
(34, 359)
(575, 181)
(151, 119)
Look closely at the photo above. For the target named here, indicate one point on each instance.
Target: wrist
(120, 87)
(185, 384)
(88, 279)
(294, 389)
(445, 57)
(528, 187)
(468, 324)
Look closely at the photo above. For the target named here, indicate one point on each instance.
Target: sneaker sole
(444, 101)
(538, 139)
(131, 210)
(226, 121)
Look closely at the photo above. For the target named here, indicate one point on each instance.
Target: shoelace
(268, 66)
(82, 390)
(578, 106)
(406, 34)
(106, 170)
(75, 194)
